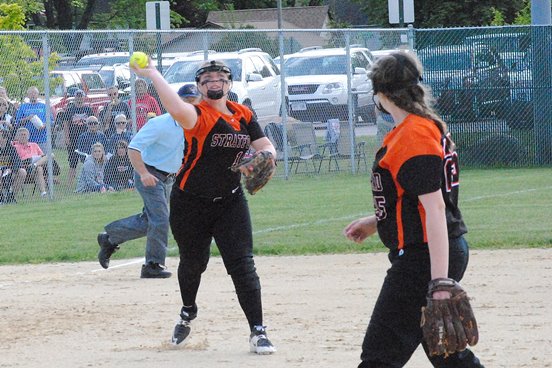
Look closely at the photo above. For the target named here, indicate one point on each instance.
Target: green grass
(503, 208)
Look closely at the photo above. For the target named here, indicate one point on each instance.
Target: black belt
(235, 191)
(159, 174)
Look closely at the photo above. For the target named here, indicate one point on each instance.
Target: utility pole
(542, 80)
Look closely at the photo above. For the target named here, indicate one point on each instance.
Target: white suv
(256, 79)
(316, 80)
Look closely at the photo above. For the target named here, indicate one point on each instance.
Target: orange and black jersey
(414, 159)
(216, 142)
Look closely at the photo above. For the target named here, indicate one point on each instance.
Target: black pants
(195, 221)
(394, 331)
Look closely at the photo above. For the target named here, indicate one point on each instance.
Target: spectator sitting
(74, 124)
(111, 110)
(120, 133)
(26, 115)
(5, 117)
(92, 176)
(119, 171)
(32, 157)
(12, 108)
(91, 136)
(144, 103)
(12, 173)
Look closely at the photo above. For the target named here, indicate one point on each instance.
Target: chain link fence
(69, 91)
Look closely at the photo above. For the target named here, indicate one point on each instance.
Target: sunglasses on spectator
(120, 122)
(93, 123)
(113, 94)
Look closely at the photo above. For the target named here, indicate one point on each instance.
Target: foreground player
(415, 192)
(207, 200)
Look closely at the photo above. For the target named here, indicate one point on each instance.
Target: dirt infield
(316, 308)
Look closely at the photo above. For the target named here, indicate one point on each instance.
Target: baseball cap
(213, 66)
(79, 92)
(188, 90)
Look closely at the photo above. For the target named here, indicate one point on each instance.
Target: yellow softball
(139, 59)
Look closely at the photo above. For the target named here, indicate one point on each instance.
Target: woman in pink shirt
(32, 157)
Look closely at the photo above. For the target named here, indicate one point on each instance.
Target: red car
(70, 81)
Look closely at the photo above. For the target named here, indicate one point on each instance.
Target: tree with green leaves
(446, 13)
(236, 41)
(131, 14)
(498, 17)
(20, 65)
(12, 17)
(30, 8)
(524, 15)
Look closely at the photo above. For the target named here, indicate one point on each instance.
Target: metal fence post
(283, 107)
(411, 36)
(542, 95)
(46, 75)
(133, 87)
(352, 114)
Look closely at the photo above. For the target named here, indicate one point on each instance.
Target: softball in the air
(139, 59)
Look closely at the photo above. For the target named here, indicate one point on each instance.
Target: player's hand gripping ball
(139, 59)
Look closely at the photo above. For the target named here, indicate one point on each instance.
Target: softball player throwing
(207, 200)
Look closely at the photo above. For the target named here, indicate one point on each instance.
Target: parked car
(521, 87)
(70, 81)
(277, 61)
(112, 75)
(105, 58)
(470, 82)
(379, 53)
(116, 75)
(515, 50)
(515, 42)
(121, 58)
(316, 80)
(256, 79)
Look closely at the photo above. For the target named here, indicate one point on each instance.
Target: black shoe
(182, 329)
(154, 271)
(106, 249)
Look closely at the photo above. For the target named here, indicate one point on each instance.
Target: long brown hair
(398, 76)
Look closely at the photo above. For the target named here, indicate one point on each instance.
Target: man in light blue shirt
(25, 114)
(156, 153)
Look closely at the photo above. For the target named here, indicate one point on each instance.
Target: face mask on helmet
(215, 95)
(218, 67)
